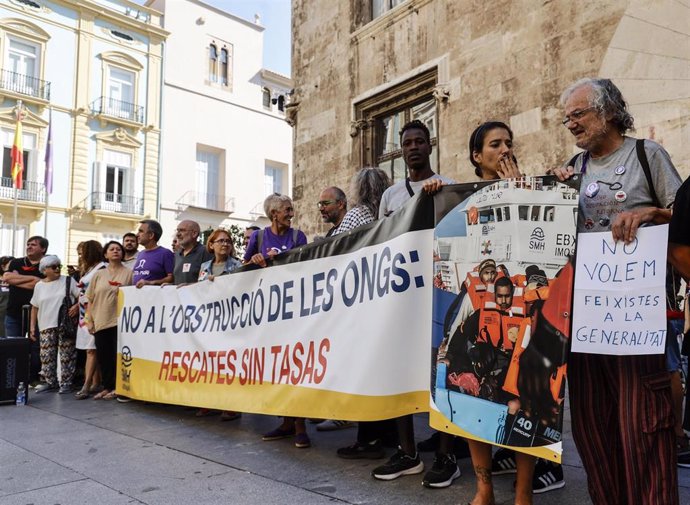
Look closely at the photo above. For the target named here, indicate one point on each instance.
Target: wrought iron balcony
(207, 201)
(118, 109)
(29, 192)
(24, 85)
(113, 202)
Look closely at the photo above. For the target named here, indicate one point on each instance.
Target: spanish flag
(17, 157)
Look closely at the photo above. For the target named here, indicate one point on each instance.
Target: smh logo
(537, 240)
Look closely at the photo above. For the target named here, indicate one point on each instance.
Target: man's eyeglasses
(576, 115)
(324, 203)
(223, 241)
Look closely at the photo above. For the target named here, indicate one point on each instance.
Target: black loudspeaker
(14, 368)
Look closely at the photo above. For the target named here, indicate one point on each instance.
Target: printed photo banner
(338, 329)
(502, 300)
(620, 294)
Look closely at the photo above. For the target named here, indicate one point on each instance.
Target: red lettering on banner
(275, 350)
(220, 378)
(285, 366)
(195, 357)
(204, 369)
(309, 365)
(297, 352)
(302, 364)
(174, 365)
(165, 365)
(230, 363)
(324, 347)
(186, 356)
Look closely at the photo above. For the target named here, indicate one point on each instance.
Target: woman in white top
(90, 261)
(45, 306)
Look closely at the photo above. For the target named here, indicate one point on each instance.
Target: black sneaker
(547, 477)
(372, 450)
(503, 462)
(431, 444)
(684, 459)
(399, 464)
(444, 471)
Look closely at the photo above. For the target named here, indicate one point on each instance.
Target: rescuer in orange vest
(484, 344)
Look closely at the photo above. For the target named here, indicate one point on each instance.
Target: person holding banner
(621, 406)
(415, 140)
(277, 238)
(101, 316)
(219, 244)
(267, 244)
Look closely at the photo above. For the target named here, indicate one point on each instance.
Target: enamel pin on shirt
(592, 189)
(620, 196)
(619, 170)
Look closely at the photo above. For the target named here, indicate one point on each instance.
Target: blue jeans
(13, 326)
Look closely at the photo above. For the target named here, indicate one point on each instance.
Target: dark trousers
(623, 427)
(106, 351)
(386, 431)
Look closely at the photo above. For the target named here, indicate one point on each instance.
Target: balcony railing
(113, 202)
(207, 201)
(118, 109)
(24, 84)
(29, 192)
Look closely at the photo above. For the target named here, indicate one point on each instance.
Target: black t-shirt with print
(20, 296)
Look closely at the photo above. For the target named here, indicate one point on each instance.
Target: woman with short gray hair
(278, 238)
(45, 307)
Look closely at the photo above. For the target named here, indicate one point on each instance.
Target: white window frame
(209, 177)
(120, 198)
(275, 172)
(113, 99)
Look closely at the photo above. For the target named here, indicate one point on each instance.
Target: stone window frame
(400, 97)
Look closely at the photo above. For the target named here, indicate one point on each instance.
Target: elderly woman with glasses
(45, 307)
(266, 244)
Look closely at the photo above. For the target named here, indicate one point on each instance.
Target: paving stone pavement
(58, 450)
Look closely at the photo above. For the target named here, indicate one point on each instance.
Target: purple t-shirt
(153, 265)
(271, 241)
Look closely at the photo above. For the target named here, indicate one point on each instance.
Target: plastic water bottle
(21, 394)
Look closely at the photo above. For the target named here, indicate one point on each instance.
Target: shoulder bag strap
(642, 158)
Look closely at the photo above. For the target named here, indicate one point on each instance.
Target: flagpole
(48, 176)
(14, 224)
(17, 169)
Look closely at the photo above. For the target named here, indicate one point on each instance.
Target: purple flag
(49, 156)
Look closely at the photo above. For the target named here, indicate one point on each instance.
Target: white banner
(341, 337)
(620, 299)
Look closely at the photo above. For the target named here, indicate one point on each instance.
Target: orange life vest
(478, 292)
(499, 328)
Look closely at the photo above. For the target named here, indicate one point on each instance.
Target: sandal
(101, 395)
(110, 396)
(82, 394)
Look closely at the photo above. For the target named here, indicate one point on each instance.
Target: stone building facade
(362, 68)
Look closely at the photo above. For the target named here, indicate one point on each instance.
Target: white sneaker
(44, 387)
(333, 425)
